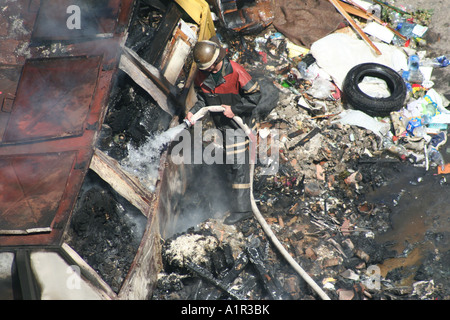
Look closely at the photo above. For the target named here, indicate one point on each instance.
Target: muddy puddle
(420, 223)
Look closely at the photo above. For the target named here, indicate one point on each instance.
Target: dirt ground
(438, 37)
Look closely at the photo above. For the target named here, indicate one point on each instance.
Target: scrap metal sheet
(53, 98)
(52, 104)
(32, 188)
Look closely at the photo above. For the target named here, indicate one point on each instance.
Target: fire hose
(202, 112)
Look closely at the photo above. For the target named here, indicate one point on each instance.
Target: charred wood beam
(308, 137)
(205, 274)
(239, 265)
(271, 284)
(150, 79)
(252, 255)
(164, 32)
(121, 181)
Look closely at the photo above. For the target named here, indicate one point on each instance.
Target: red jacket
(235, 87)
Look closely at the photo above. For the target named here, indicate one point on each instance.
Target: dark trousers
(237, 157)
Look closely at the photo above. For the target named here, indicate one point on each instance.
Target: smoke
(205, 194)
(206, 197)
(59, 20)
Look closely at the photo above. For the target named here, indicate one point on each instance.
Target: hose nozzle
(187, 123)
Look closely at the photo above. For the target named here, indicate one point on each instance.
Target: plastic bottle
(438, 62)
(413, 67)
(413, 62)
(303, 69)
(429, 110)
(443, 61)
(419, 131)
(303, 65)
(396, 18)
(395, 149)
(430, 63)
(426, 119)
(399, 151)
(375, 9)
(436, 157)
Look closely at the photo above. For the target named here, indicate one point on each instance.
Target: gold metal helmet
(206, 53)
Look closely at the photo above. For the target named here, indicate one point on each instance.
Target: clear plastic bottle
(303, 66)
(430, 110)
(303, 69)
(395, 149)
(413, 67)
(438, 62)
(375, 9)
(396, 19)
(436, 157)
(426, 119)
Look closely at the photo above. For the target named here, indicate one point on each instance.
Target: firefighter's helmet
(206, 53)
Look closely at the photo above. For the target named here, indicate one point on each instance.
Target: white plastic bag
(363, 120)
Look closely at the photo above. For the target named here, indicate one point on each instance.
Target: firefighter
(221, 81)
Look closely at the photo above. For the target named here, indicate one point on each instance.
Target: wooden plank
(96, 282)
(355, 11)
(149, 78)
(355, 26)
(362, 13)
(123, 182)
(151, 72)
(164, 33)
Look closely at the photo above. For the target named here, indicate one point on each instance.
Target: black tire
(375, 107)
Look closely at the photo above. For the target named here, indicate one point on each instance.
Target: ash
(105, 231)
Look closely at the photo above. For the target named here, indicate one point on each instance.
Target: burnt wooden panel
(164, 33)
